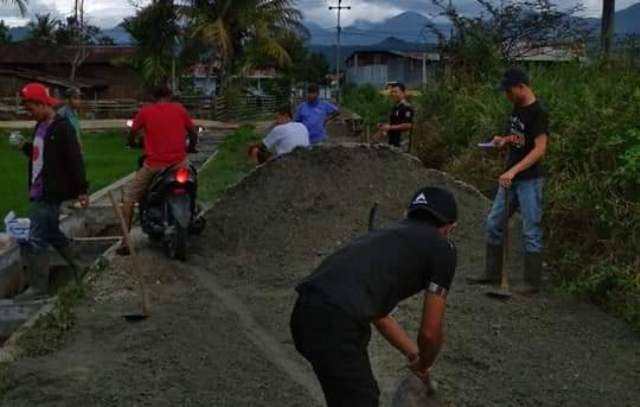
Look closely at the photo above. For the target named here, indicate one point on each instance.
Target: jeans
(526, 196)
(336, 347)
(45, 228)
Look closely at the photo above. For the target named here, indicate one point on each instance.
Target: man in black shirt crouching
(362, 283)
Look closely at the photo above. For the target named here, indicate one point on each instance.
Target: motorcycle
(168, 210)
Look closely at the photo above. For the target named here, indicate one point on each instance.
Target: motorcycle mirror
(129, 123)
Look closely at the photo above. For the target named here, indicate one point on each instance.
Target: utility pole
(339, 7)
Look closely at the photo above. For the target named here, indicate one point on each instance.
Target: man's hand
(500, 142)
(420, 369)
(384, 126)
(252, 148)
(506, 179)
(84, 200)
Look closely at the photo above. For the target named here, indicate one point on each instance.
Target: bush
(369, 103)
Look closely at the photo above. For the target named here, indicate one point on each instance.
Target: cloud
(107, 13)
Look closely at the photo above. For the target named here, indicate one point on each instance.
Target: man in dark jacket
(359, 286)
(56, 174)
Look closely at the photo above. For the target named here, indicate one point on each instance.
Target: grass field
(229, 165)
(106, 159)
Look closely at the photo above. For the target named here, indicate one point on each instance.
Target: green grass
(49, 332)
(229, 165)
(106, 160)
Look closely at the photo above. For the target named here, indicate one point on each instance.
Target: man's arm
(535, 155)
(73, 158)
(138, 123)
(332, 112)
(396, 336)
(431, 335)
(192, 134)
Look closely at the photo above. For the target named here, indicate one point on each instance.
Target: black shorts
(336, 347)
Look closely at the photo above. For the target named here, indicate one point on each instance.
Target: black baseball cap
(513, 77)
(437, 202)
(73, 92)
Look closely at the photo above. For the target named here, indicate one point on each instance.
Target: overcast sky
(108, 13)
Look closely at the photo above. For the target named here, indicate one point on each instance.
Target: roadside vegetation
(106, 157)
(228, 166)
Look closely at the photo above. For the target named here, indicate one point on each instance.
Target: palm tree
(154, 29)
(231, 26)
(21, 4)
(43, 29)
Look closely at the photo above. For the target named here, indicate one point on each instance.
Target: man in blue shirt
(315, 114)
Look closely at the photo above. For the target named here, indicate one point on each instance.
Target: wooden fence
(201, 107)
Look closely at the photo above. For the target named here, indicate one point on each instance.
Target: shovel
(413, 392)
(142, 289)
(503, 293)
(372, 216)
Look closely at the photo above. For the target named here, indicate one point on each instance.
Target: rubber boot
(37, 278)
(70, 256)
(532, 274)
(493, 267)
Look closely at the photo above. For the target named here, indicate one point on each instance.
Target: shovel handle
(504, 278)
(144, 296)
(372, 216)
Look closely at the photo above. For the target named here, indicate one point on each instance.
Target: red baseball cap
(37, 92)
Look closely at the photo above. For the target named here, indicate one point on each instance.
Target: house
(527, 53)
(104, 72)
(204, 78)
(378, 67)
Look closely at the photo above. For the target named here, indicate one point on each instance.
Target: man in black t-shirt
(523, 180)
(362, 283)
(401, 119)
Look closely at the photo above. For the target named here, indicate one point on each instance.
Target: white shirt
(285, 137)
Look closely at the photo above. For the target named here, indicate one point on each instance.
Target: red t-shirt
(164, 125)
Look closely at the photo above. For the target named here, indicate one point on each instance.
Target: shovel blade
(500, 294)
(414, 393)
(135, 317)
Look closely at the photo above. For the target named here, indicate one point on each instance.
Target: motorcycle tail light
(182, 175)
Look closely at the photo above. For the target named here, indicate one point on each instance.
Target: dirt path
(219, 331)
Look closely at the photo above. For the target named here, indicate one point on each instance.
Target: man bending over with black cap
(362, 283)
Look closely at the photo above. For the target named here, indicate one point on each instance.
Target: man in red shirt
(164, 123)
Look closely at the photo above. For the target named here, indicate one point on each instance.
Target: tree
(5, 36)
(229, 28)
(608, 25)
(43, 29)
(21, 4)
(74, 36)
(155, 30)
(507, 32)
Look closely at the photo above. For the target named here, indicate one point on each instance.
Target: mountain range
(408, 27)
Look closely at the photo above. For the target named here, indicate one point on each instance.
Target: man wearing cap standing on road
(523, 180)
(362, 283)
(315, 114)
(69, 110)
(401, 119)
(56, 174)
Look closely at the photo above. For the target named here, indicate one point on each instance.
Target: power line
(339, 7)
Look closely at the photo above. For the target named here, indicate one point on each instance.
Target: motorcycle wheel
(176, 246)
